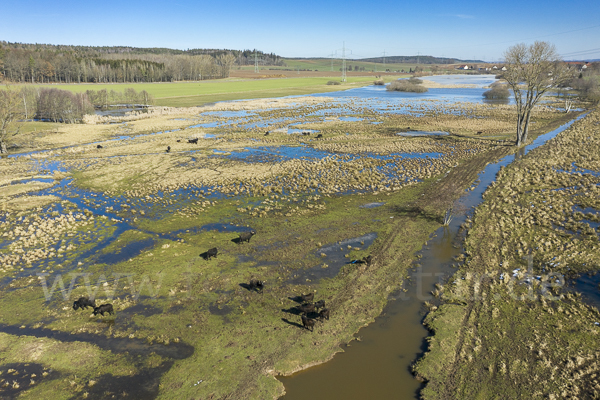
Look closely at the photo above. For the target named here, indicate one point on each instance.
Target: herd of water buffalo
(309, 311)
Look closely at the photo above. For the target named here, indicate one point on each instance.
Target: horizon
(460, 30)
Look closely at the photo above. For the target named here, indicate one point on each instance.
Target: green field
(324, 64)
(188, 94)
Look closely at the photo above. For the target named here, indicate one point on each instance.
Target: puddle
(371, 205)
(335, 259)
(177, 351)
(589, 286)
(19, 377)
(422, 133)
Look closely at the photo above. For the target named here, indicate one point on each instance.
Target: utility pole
(331, 55)
(344, 62)
(384, 61)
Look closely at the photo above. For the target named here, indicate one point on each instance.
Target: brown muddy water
(378, 365)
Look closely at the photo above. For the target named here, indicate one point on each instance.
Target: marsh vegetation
(105, 206)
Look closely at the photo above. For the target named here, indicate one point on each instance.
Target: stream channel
(378, 365)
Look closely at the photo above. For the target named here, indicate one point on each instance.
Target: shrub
(334, 83)
(63, 106)
(498, 91)
(405, 86)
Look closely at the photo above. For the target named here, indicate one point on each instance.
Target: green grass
(184, 94)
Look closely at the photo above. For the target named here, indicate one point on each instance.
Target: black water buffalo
(211, 253)
(104, 308)
(319, 136)
(99, 146)
(324, 314)
(305, 133)
(320, 304)
(267, 133)
(245, 236)
(168, 149)
(367, 260)
(307, 297)
(308, 322)
(193, 141)
(257, 285)
(306, 308)
(84, 302)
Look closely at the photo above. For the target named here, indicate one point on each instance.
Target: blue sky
(460, 29)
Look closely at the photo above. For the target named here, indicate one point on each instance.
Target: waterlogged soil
(130, 224)
(525, 301)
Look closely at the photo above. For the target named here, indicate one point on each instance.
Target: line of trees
(50, 104)
(79, 64)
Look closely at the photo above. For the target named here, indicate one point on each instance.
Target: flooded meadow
(152, 212)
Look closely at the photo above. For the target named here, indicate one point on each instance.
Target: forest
(41, 63)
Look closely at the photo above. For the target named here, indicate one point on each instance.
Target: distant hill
(420, 59)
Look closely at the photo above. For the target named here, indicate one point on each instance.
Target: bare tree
(531, 72)
(11, 111)
(225, 61)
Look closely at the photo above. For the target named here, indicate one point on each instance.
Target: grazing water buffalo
(168, 149)
(267, 133)
(84, 302)
(104, 308)
(193, 141)
(211, 253)
(324, 314)
(306, 133)
(245, 236)
(308, 322)
(319, 136)
(320, 304)
(257, 285)
(99, 146)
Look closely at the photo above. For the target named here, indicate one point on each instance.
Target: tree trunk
(3, 149)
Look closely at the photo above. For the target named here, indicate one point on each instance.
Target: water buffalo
(308, 322)
(267, 133)
(320, 304)
(211, 253)
(324, 314)
(84, 302)
(257, 285)
(367, 260)
(306, 308)
(168, 149)
(99, 146)
(319, 136)
(193, 141)
(104, 308)
(245, 236)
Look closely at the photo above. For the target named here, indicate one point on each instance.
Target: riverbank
(507, 325)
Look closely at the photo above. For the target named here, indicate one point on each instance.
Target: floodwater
(378, 366)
